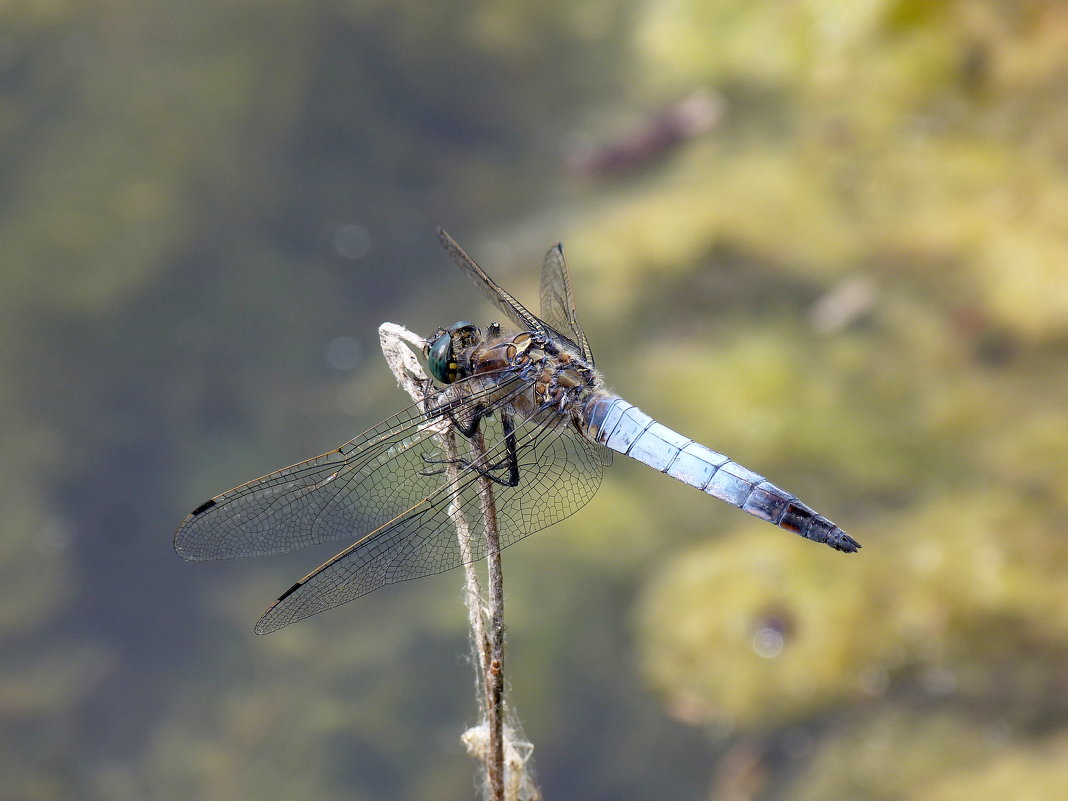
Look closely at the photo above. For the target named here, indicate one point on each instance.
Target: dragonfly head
(441, 352)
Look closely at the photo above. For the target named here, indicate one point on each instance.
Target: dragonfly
(546, 427)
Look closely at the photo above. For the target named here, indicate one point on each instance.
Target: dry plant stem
(493, 672)
(489, 646)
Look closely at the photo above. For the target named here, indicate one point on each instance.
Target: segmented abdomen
(623, 427)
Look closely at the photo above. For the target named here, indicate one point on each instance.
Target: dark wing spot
(288, 592)
(203, 507)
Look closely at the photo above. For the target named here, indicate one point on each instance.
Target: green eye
(441, 355)
(439, 359)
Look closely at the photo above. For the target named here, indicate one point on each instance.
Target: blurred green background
(852, 281)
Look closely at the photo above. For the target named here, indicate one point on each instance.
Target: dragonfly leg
(468, 431)
(510, 462)
(486, 471)
(511, 451)
(430, 460)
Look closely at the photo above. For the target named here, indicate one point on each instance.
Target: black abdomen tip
(799, 519)
(841, 541)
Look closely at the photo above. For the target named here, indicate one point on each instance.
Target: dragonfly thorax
(553, 376)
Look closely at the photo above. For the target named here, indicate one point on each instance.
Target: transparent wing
(515, 311)
(347, 492)
(558, 301)
(558, 474)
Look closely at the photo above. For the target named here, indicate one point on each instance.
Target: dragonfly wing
(558, 300)
(503, 300)
(500, 298)
(359, 569)
(347, 492)
(558, 474)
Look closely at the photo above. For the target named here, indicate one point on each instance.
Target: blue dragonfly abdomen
(626, 429)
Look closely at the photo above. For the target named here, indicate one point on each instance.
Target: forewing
(511, 307)
(515, 311)
(558, 301)
(558, 474)
(347, 492)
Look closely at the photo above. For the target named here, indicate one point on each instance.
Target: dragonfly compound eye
(443, 366)
(441, 356)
